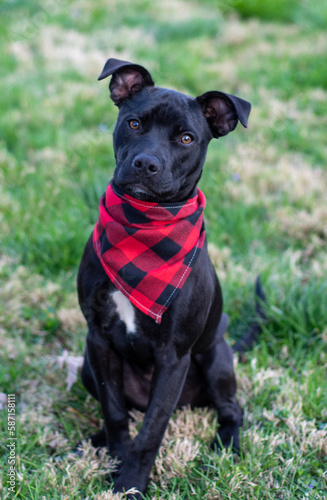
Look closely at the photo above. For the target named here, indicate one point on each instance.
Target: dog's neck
(142, 205)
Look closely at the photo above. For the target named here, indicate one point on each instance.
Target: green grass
(266, 213)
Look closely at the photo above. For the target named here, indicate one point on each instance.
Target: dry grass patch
(89, 466)
(302, 225)
(266, 175)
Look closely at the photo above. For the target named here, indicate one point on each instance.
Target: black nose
(147, 163)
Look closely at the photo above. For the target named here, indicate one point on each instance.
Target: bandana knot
(148, 249)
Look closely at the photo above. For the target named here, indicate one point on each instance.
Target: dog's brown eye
(186, 139)
(134, 124)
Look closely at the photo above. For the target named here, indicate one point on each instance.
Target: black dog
(131, 360)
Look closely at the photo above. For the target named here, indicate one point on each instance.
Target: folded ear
(128, 79)
(222, 111)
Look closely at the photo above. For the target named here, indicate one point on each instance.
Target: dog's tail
(251, 336)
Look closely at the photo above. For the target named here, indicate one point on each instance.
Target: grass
(266, 213)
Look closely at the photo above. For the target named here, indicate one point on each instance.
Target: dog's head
(161, 136)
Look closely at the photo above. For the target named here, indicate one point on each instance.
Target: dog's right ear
(128, 79)
(223, 111)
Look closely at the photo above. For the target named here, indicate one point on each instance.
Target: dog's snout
(147, 163)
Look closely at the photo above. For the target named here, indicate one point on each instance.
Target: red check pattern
(148, 249)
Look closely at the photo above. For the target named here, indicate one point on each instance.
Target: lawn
(266, 213)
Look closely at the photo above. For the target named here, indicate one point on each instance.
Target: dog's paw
(131, 493)
(228, 437)
(98, 441)
(131, 484)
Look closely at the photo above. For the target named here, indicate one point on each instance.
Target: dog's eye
(134, 124)
(186, 139)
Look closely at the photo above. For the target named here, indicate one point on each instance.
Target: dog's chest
(127, 335)
(125, 311)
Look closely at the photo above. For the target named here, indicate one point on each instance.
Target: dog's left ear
(128, 79)
(222, 111)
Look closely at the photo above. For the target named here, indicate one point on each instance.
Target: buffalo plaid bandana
(148, 249)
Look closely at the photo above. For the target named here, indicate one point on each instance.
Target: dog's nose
(147, 163)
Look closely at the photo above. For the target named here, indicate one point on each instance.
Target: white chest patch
(125, 311)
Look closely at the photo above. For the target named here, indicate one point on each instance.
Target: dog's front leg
(107, 368)
(169, 377)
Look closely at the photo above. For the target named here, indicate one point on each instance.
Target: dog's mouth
(140, 192)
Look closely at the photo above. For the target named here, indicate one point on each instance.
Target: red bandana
(148, 249)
